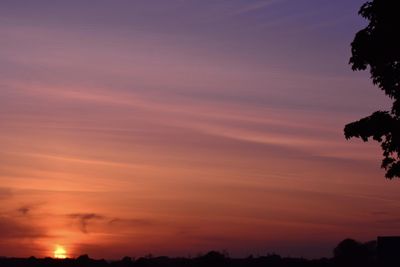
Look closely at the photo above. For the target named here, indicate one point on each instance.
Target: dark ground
(347, 253)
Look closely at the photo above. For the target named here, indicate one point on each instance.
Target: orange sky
(177, 141)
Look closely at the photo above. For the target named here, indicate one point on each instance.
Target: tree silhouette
(378, 47)
(350, 253)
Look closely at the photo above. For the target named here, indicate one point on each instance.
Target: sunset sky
(131, 127)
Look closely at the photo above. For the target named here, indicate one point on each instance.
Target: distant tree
(213, 258)
(378, 47)
(350, 252)
(83, 257)
(127, 260)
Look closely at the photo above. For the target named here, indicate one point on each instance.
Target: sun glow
(60, 252)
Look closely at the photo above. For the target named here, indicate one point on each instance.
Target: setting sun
(60, 253)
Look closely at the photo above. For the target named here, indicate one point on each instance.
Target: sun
(60, 252)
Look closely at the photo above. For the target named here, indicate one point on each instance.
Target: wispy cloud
(27, 209)
(24, 210)
(14, 229)
(84, 220)
(254, 6)
(131, 222)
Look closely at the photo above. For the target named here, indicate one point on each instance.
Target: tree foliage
(377, 47)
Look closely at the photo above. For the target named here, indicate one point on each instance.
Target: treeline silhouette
(347, 253)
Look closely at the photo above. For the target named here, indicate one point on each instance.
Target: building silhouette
(389, 251)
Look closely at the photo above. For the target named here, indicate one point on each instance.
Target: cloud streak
(5, 193)
(14, 229)
(84, 219)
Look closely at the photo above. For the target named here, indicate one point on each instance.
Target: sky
(182, 126)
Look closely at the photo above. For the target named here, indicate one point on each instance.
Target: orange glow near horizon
(60, 252)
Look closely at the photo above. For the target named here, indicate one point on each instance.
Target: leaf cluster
(377, 47)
